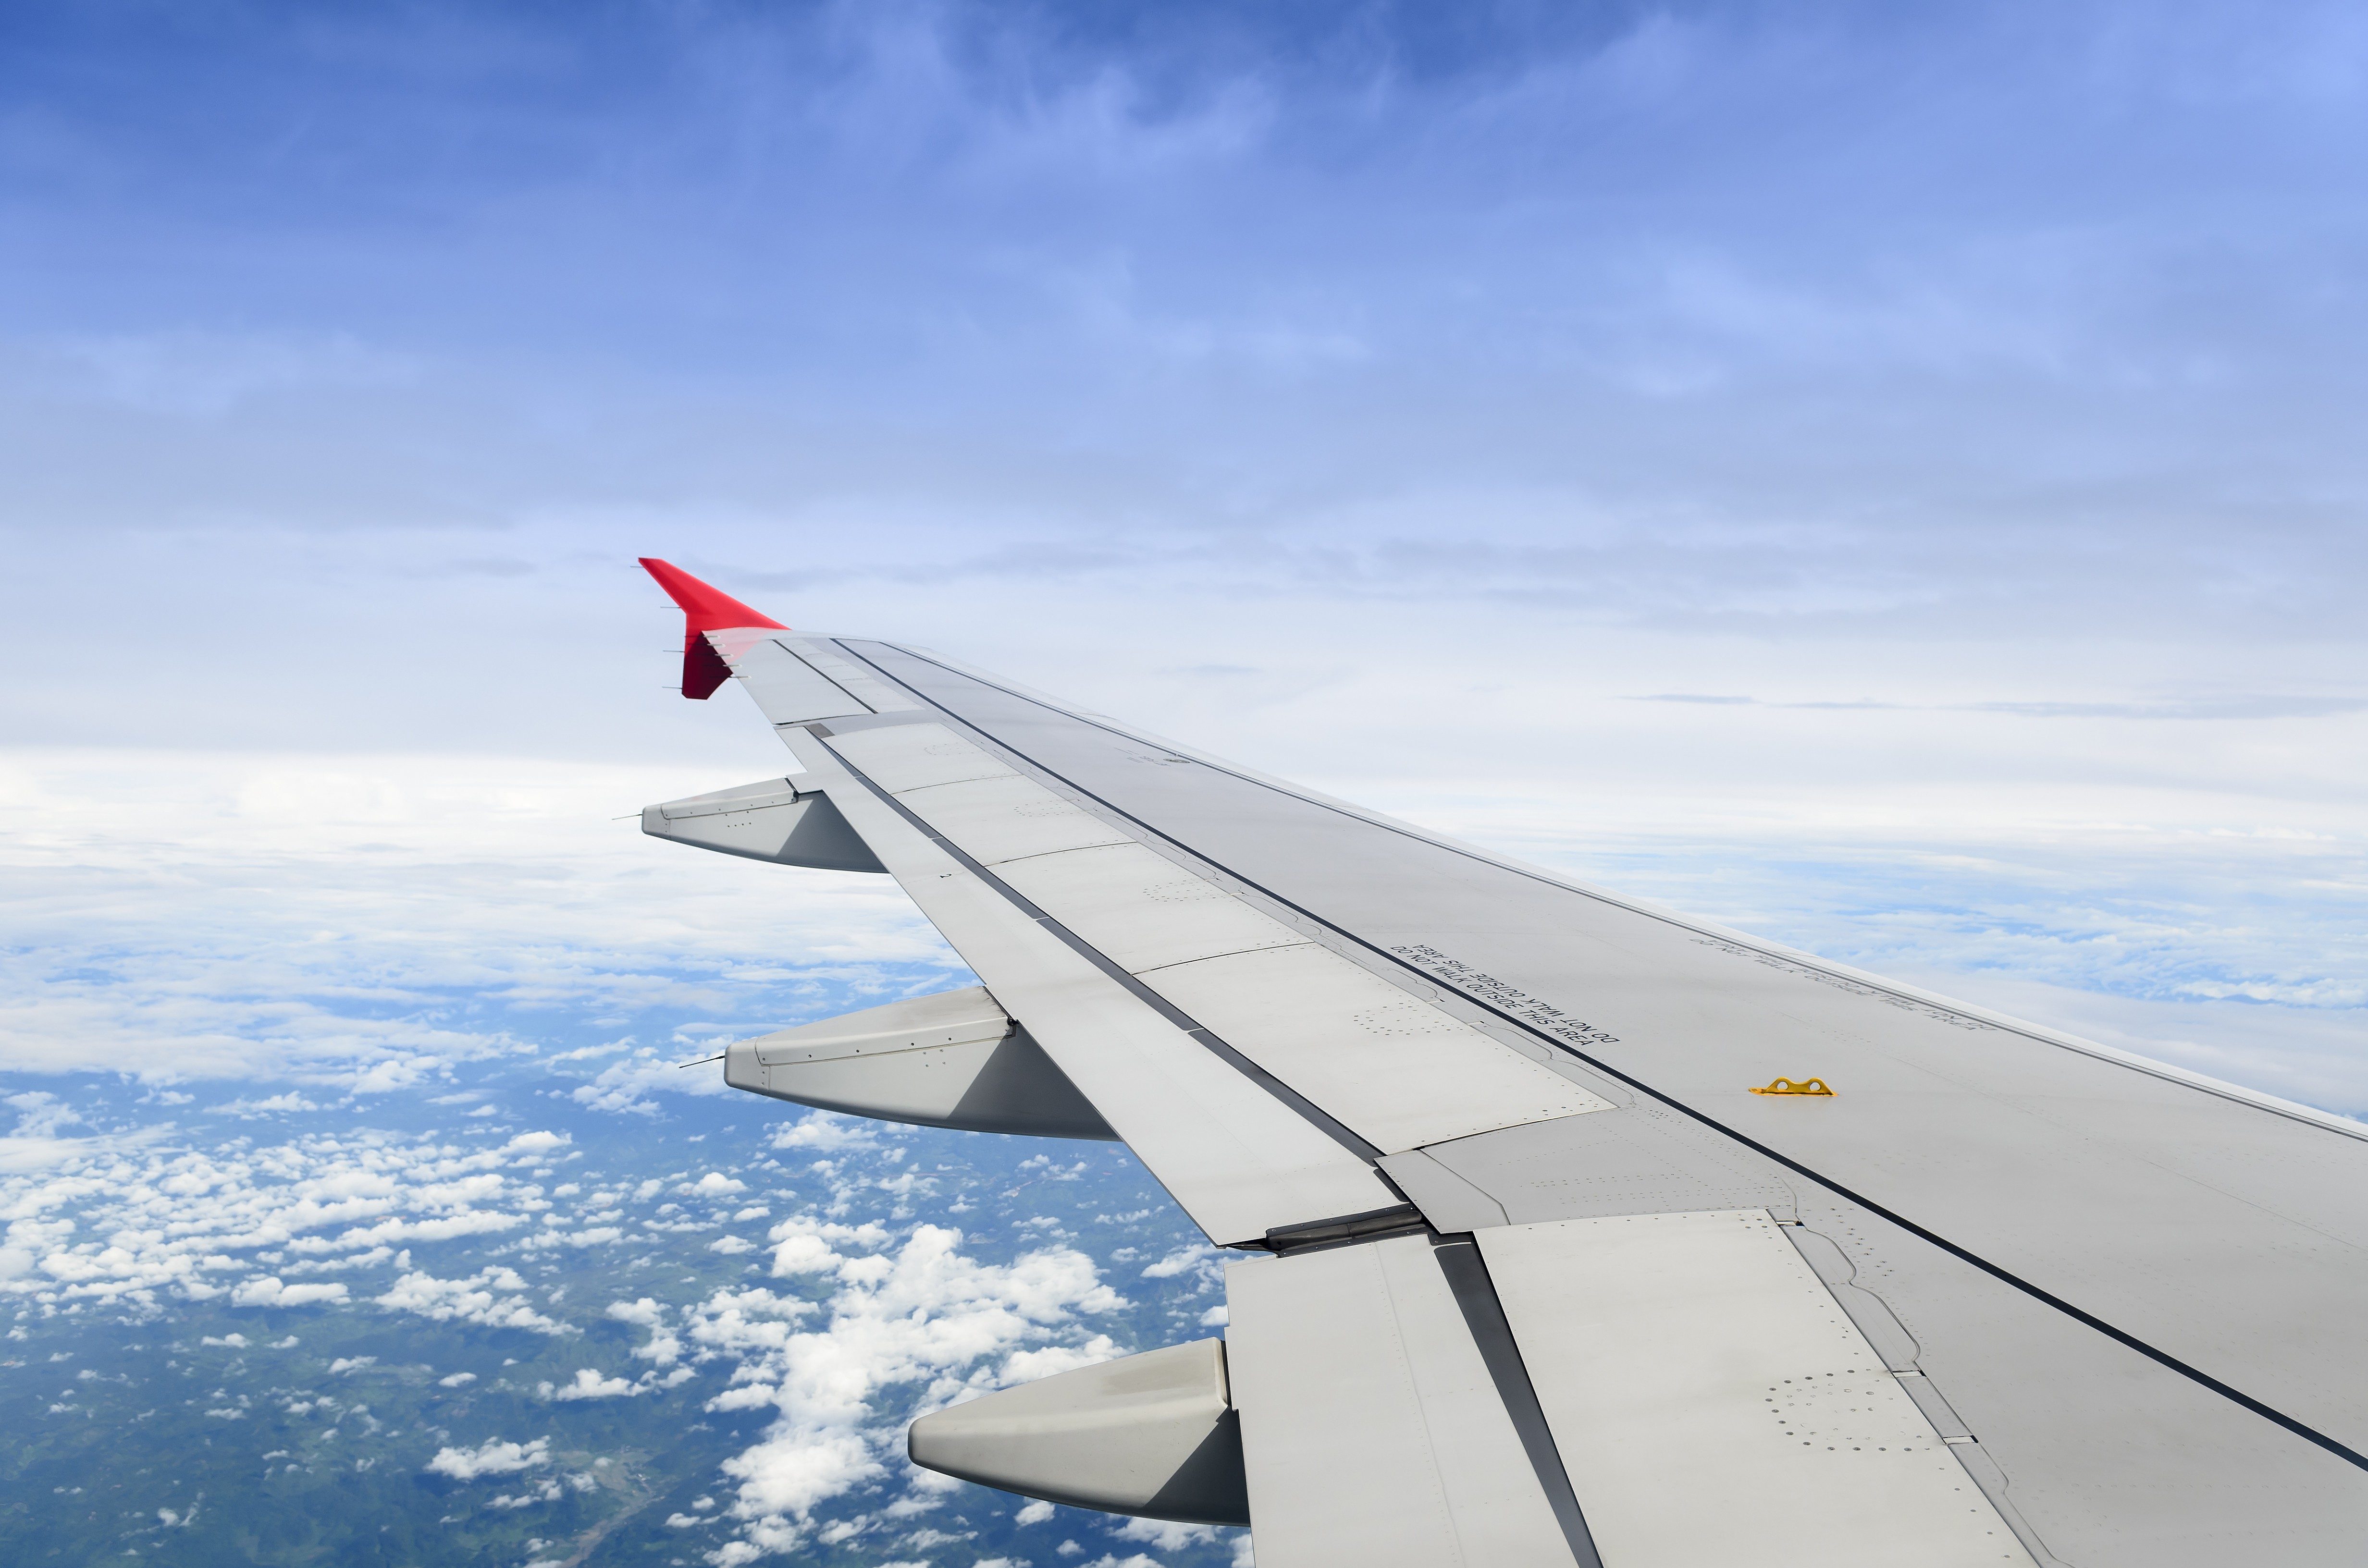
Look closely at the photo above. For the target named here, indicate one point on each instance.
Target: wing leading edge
(1529, 1274)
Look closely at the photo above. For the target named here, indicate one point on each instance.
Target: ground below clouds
(502, 1323)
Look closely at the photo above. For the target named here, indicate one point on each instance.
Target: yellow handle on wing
(1786, 1086)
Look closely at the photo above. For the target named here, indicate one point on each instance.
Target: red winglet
(709, 608)
(704, 609)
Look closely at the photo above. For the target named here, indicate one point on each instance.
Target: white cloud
(548, 1491)
(590, 1236)
(455, 1379)
(628, 1086)
(495, 1456)
(828, 1130)
(807, 1246)
(468, 1222)
(235, 1341)
(919, 1315)
(663, 1349)
(1051, 1360)
(488, 1297)
(41, 1114)
(352, 1363)
(1167, 1535)
(589, 1384)
(1035, 1513)
(167, 907)
(1179, 1261)
(267, 1291)
(276, 1105)
(172, 1216)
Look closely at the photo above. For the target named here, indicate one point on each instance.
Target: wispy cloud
(226, 925)
(2231, 707)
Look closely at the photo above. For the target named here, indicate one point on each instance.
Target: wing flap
(1139, 910)
(902, 758)
(1399, 1071)
(1714, 1403)
(1373, 1427)
(1011, 818)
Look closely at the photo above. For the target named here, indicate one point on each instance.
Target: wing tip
(705, 606)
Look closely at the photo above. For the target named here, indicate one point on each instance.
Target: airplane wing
(1571, 1230)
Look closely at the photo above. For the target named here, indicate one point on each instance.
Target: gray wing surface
(1529, 1272)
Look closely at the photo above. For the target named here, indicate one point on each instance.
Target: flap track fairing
(1154, 1436)
(952, 1060)
(787, 821)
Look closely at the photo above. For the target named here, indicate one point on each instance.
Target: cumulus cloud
(495, 1456)
(548, 1491)
(629, 1086)
(443, 1228)
(268, 1291)
(589, 1384)
(41, 1114)
(171, 1217)
(538, 1143)
(489, 1297)
(805, 1244)
(663, 1349)
(1182, 1260)
(918, 1316)
(276, 1105)
(828, 1131)
(1167, 1535)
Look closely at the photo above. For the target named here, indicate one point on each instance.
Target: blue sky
(1974, 286)
(1440, 404)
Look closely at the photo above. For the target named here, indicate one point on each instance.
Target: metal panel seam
(821, 674)
(1492, 1333)
(1230, 953)
(1307, 1108)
